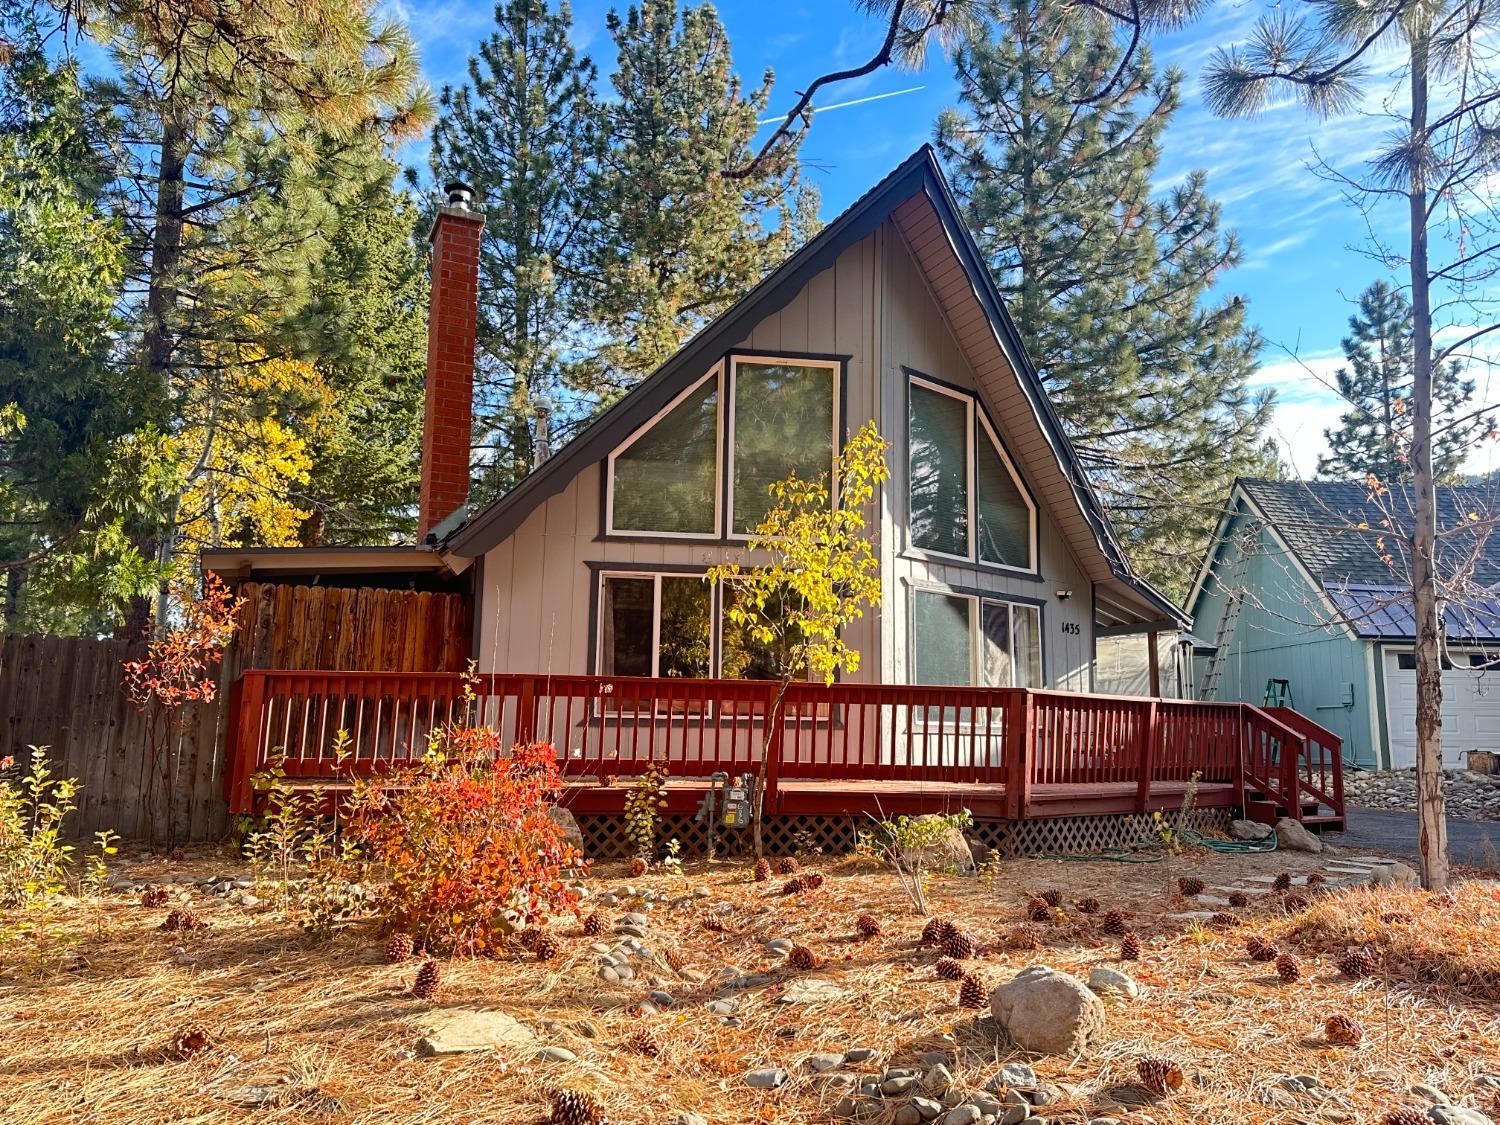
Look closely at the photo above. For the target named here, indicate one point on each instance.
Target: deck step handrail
(1014, 739)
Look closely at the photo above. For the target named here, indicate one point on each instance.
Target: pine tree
(523, 132)
(1375, 432)
(1109, 287)
(678, 240)
(72, 478)
(365, 331)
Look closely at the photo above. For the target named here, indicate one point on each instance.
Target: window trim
(835, 367)
(976, 600)
(716, 372)
(977, 415)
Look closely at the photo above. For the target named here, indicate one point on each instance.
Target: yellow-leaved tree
(820, 572)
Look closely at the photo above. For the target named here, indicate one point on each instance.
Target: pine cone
(1088, 905)
(712, 923)
(155, 896)
(1160, 1075)
(593, 925)
(971, 992)
(1283, 882)
(399, 948)
(1395, 917)
(1238, 899)
(1259, 948)
(529, 937)
(1130, 948)
(182, 920)
(786, 865)
(638, 866)
(1406, 1117)
(1037, 910)
(1289, 968)
(949, 969)
(428, 978)
(936, 931)
(193, 1041)
(959, 946)
(868, 925)
(1294, 903)
(1356, 963)
(802, 958)
(642, 1042)
(1343, 1030)
(574, 1107)
(1051, 896)
(1316, 879)
(762, 870)
(675, 960)
(1114, 924)
(814, 880)
(547, 947)
(1190, 885)
(1223, 921)
(793, 886)
(1026, 937)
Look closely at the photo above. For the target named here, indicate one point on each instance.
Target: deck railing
(1011, 738)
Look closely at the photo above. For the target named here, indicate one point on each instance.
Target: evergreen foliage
(1374, 434)
(1109, 287)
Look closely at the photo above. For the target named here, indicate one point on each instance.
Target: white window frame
(976, 629)
(835, 370)
(976, 416)
(717, 374)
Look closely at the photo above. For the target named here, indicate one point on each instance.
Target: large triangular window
(965, 499)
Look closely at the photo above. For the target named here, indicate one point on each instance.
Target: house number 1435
(1071, 628)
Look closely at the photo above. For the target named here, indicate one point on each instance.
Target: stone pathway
(1345, 871)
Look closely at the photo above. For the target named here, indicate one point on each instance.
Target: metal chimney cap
(459, 193)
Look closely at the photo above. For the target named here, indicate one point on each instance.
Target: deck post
(526, 711)
(250, 713)
(1146, 759)
(1020, 737)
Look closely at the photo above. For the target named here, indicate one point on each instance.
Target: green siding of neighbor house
(1279, 635)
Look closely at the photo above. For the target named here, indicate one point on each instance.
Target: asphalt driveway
(1475, 842)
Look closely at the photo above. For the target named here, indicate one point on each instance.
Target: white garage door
(1471, 707)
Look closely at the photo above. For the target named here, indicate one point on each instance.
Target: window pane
(686, 628)
(939, 476)
(665, 481)
(1026, 645)
(995, 646)
(940, 638)
(626, 625)
(999, 509)
(783, 424)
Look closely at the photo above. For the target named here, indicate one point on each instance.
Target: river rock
(457, 1031)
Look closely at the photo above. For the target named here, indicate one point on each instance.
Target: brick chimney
(448, 416)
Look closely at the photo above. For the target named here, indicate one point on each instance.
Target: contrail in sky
(844, 105)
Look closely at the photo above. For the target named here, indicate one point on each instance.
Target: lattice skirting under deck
(604, 836)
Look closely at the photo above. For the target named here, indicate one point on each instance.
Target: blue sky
(1304, 261)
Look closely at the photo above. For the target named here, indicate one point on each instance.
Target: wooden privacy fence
(68, 694)
(352, 629)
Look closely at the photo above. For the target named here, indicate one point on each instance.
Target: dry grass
(83, 1029)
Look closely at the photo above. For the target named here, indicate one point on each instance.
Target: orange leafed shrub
(466, 844)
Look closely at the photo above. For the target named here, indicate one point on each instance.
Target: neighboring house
(1305, 584)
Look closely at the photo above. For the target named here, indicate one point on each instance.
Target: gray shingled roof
(1319, 520)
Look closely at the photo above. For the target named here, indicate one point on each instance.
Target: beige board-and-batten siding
(873, 305)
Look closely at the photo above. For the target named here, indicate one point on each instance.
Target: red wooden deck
(849, 749)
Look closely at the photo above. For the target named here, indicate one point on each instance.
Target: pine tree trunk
(1431, 816)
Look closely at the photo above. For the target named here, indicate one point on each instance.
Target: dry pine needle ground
(87, 1017)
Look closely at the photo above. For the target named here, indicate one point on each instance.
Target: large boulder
(1292, 837)
(1249, 830)
(1048, 1012)
(458, 1031)
(568, 823)
(1394, 874)
(944, 847)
